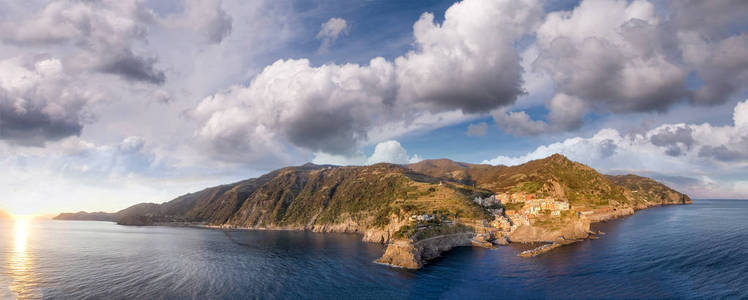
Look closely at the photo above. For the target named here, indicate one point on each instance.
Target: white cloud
(518, 123)
(456, 70)
(39, 102)
(391, 152)
(330, 31)
(697, 151)
(457, 65)
(627, 56)
(385, 152)
(106, 33)
(328, 108)
(80, 77)
(74, 174)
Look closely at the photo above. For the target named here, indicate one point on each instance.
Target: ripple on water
(695, 251)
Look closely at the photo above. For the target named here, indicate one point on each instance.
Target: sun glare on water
(20, 231)
(20, 264)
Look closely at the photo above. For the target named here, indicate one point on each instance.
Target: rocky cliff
(412, 255)
(571, 230)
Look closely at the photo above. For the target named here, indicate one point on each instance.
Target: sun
(21, 227)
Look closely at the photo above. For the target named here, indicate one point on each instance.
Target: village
(513, 210)
(509, 210)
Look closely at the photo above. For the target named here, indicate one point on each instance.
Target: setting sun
(21, 231)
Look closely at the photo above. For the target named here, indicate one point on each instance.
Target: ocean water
(695, 251)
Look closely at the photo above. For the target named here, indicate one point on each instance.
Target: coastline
(408, 254)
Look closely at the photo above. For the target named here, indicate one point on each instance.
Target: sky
(104, 104)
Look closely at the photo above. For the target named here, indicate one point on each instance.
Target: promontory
(418, 210)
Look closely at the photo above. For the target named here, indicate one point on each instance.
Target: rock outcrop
(578, 229)
(412, 255)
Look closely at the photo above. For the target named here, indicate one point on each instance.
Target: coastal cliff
(418, 210)
(414, 254)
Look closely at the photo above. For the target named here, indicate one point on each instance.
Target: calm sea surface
(695, 251)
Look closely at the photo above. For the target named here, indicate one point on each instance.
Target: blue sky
(111, 103)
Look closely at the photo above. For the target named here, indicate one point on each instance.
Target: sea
(697, 251)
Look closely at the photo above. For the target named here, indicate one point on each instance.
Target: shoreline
(422, 245)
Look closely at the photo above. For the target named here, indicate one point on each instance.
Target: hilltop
(420, 209)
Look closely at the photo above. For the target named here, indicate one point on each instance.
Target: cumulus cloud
(105, 31)
(702, 150)
(330, 31)
(457, 65)
(628, 56)
(455, 70)
(519, 123)
(327, 108)
(478, 129)
(608, 52)
(385, 152)
(391, 152)
(673, 139)
(38, 102)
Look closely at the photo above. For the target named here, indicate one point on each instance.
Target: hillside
(646, 190)
(321, 198)
(86, 216)
(554, 176)
(420, 209)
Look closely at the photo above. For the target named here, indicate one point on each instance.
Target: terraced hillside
(554, 176)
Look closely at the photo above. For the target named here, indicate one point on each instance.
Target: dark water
(696, 251)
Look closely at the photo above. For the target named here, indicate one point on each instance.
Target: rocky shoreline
(546, 248)
(413, 255)
(410, 254)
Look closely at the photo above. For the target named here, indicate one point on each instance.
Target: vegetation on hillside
(647, 190)
(372, 196)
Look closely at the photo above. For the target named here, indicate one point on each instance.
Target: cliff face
(413, 255)
(572, 230)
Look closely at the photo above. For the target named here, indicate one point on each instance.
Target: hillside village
(509, 212)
